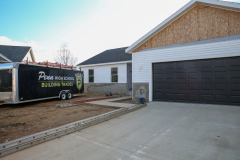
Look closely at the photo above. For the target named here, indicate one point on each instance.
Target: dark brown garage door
(200, 81)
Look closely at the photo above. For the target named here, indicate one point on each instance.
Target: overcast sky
(88, 26)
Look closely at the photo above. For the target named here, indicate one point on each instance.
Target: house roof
(211, 3)
(13, 53)
(112, 55)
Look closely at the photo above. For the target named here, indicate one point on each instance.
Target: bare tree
(64, 56)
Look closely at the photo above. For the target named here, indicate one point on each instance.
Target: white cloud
(40, 52)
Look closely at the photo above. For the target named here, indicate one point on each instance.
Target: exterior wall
(102, 80)
(200, 23)
(143, 60)
(102, 74)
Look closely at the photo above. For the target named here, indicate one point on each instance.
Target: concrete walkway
(161, 131)
(113, 102)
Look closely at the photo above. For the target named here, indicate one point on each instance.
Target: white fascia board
(31, 52)
(1, 55)
(212, 3)
(102, 64)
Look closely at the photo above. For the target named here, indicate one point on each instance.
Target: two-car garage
(200, 81)
(192, 56)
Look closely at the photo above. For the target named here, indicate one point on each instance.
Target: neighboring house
(193, 56)
(109, 71)
(15, 54)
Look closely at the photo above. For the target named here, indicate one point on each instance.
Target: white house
(16, 54)
(109, 71)
(193, 56)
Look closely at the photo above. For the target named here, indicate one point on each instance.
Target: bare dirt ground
(20, 120)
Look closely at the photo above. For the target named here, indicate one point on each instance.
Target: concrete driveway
(168, 131)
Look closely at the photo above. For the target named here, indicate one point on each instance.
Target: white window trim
(91, 75)
(111, 75)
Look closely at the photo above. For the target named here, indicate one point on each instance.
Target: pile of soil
(20, 120)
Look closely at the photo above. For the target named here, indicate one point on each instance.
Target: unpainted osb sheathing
(200, 23)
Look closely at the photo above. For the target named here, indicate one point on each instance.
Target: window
(114, 74)
(90, 75)
(6, 80)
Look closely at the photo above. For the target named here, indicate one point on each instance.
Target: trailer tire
(63, 96)
(69, 95)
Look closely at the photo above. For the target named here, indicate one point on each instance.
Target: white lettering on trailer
(69, 78)
(45, 77)
(58, 78)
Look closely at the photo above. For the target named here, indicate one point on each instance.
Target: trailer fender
(66, 91)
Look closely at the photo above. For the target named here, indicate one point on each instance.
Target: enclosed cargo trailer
(20, 82)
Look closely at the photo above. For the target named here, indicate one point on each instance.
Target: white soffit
(211, 3)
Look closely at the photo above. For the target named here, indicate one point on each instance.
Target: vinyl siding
(102, 74)
(142, 61)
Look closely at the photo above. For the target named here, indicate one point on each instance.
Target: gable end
(200, 23)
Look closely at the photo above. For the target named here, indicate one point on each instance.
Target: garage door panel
(181, 86)
(221, 86)
(221, 75)
(193, 75)
(193, 64)
(206, 98)
(159, 66)
(169, 66)
(235, 62)
(206, 86)
(158, 86)
(181, 97)
(169, 86)
(220, 63)
(193, 86)
(193, 98)
(159, 76)
(234, 99)
(206, 75)
(200, 81)
(235, 74)
(222, 99)
(158, 96)
(180, 65)
(169, 97)
(206, 64)
(235, 87)
(169, 75)
(181, 75)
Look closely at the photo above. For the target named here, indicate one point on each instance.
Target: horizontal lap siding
(102, 74)
(142, 60)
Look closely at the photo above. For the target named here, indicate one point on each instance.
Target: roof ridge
(14, 46)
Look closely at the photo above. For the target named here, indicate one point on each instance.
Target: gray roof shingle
(14, 53)
(112, 55)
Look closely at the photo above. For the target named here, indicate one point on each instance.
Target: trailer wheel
(69, 95)
(63, 96)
